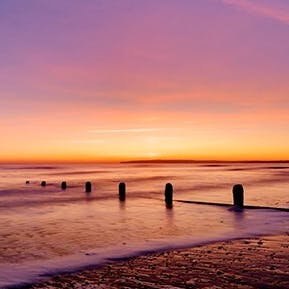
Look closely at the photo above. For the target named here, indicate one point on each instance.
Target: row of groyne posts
(238, 194)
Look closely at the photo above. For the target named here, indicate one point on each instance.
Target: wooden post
(121, 191)
(169, 195)
(238, 195)
(88, 187)
(43, 184)
(63, 185)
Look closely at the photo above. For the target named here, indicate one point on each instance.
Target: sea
(46, 230)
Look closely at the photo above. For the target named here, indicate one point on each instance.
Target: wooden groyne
(237, 193)
(230, 205)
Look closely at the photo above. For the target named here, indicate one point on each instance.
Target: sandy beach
(247, 263)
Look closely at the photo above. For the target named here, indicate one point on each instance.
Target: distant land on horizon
(145, 161)
(177, 161)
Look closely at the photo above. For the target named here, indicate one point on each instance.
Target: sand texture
(248, 263)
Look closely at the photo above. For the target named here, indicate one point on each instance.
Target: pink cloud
(263, 9)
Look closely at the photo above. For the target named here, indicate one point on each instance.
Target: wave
(259, 168)
(80, 173)
(26, 274)
(13, 168)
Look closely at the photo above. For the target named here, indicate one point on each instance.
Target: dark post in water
(63, 185)
(238, 195)
(88, 187)
(121, 191)
(169, 195)
(43, 184)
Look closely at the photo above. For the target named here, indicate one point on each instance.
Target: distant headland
(183, 161)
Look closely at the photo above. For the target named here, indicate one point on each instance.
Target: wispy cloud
(265, 10)
(127, 130)
(88, 141)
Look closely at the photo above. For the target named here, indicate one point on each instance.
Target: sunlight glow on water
(54, 227)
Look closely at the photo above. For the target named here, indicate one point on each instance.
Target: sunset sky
(105, 80)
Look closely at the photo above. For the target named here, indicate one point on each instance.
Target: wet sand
(247, 263)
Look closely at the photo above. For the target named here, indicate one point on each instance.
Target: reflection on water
(35, 233)
(238, 217)
(48, 224)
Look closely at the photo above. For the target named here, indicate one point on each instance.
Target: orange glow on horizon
(201, 80)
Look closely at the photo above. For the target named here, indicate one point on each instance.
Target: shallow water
(44, 230)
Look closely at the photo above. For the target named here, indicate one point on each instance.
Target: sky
(111, 80)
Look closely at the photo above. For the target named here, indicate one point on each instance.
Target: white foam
(255, 223)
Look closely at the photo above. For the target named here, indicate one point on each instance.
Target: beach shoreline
(243, 263)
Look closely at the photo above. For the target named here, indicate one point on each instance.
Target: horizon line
(142, 161)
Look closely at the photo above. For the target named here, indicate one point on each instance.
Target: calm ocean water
(45, 230)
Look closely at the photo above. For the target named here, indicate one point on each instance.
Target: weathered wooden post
(63, 185)
(88, 187)
(169, 195)
(43, 184)
(238, 195)
(121, 191)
